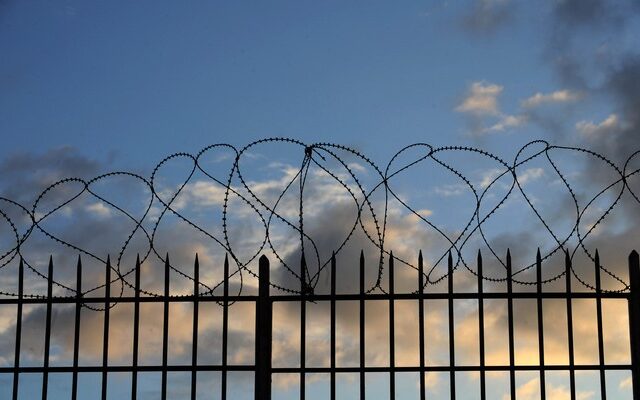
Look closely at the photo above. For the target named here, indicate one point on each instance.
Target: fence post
(634, 320)
(263, 333)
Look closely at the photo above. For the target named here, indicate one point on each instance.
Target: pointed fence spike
(391, 272)
(79, 269)
(108, 270)
(480, 273)
(50, 278)
(196, 265)
(567, 266)
(303, 274)
(107, 273)
(333, 275)
(361, 271)
(597, 258)
(420, 273)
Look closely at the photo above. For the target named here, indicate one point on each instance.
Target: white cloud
(559, 96)
(626, 383)
(482, 102)
(455, 189)
(524, 177)
(531, 390)
(489, 176)
(529, 175)
(482, 99)
(591, 130)
(507, 122)
(99, 210)
(357, 167)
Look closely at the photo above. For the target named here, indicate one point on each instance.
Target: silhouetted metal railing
(262, 367)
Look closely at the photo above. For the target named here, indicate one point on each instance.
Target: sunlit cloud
(557, 97)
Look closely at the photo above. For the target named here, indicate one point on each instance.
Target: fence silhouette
(264, 301)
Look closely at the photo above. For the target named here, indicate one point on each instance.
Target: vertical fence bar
(362, 321)
(543, 390)
(452, 350)
(572, 372)
(194, 331)
(603, 387)
(421, 324)
(165, 329)
(483, 386)
(76, 331)
(263, 334)
(634, 320)
(333, 326)
(136, 330)
(105, 335)
(512, 371)
(392, 330)
(16, 360)
(303, 327)
(225, 327)
(47, 331)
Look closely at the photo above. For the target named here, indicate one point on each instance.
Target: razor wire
(317, 155)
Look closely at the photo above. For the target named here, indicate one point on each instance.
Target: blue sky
(88, 87)
(131, 78)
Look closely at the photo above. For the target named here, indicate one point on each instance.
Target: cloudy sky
(88, 88)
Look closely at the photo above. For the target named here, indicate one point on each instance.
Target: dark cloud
(624, 85)
(487, 16)
(579, 31)
(581, 12)
(25, 175)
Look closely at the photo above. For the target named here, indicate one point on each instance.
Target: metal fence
(262, 367)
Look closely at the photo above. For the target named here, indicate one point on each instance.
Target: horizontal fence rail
(262, 368)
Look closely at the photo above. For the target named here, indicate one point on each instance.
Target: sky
(91, 87)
